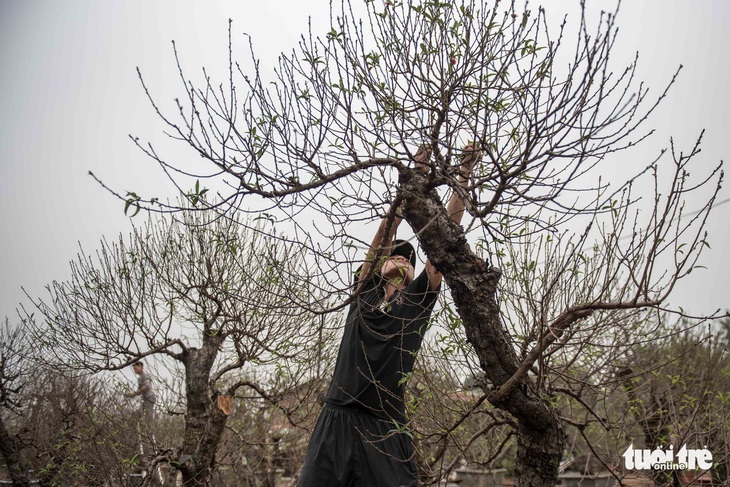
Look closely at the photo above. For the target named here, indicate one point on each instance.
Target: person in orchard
(360, 437)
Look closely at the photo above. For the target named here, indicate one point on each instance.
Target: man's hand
(422, 157)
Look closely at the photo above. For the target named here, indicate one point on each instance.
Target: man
(360, 437)
(145, 421)
(144, 389)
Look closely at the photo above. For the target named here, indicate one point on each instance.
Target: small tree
(57, 429)
(336, 130)
(677, 392)
(76, 431)
(14, 373)
(205, 295)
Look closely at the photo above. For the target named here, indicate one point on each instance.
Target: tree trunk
(11, 454)
(473, 285)
(204, 422)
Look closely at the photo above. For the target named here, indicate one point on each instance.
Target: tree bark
(204, 422)
(473, 284)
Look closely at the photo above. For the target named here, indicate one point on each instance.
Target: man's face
(137, 369)
(398, 270)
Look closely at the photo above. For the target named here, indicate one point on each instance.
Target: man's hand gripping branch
(456, 207)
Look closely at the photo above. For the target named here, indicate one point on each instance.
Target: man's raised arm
(456, 206)
(383, 240)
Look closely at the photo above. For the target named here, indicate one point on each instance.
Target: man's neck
(391, 288)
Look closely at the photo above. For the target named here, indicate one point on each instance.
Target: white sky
(69, 97)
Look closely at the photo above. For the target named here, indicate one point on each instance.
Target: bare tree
(14, 373)
(677, 395)
(77, 432)
(58, 428)
(203, 294)
(555, 254)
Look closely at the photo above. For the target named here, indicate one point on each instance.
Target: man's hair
(138, 362)
(404, 248)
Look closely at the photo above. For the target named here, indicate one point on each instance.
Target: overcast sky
(69, 97)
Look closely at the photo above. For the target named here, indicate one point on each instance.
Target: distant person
(144, 389)
(145, 420)
(361, 439)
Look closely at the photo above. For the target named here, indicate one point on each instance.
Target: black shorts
(353, 448)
